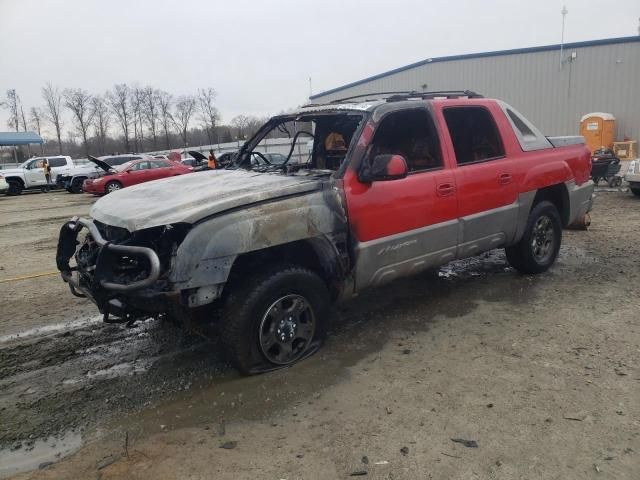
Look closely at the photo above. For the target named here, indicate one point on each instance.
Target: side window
(412, 134)
(114, 161)
(57, 162)
(474, 134)
(158, 164)
(141, 166)
(34, 164)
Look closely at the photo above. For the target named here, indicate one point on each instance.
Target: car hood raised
(189, 198)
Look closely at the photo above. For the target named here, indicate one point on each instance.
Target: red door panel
(381, 209)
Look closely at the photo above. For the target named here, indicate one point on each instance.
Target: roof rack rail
(406, 95)
(383, 95)
(436, 94)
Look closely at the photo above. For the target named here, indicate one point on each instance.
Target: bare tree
(151, 111)
(53, 100)
(23, 117)
(208, 112)
(12, 103)
(253, 125)
(165, 102)
(136, 100)
(35, 120)
(101, 120)
(79, 102)
(241, 122)
(118, 100)
(184, 108)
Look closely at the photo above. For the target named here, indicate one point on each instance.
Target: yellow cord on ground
(27, 277)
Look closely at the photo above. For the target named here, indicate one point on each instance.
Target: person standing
(211, 162)
(47, 173)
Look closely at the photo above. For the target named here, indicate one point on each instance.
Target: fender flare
(19, 179)
(546, 174)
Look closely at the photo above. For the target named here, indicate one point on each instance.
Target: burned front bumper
(97, 277)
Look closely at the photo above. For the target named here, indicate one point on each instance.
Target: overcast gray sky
(259, 55)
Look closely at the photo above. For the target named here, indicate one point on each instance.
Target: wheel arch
(558, 195)
(18, 179)
(318, 254)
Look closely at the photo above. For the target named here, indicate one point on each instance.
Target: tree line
(124, 119)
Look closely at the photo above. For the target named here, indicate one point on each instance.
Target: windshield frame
(123, 167)
(250, 145)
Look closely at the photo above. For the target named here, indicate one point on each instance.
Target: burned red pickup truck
(392, 185)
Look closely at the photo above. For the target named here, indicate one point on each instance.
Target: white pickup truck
(633, 177)
(30, 174)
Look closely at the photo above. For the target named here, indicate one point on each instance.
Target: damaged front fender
(207, 254)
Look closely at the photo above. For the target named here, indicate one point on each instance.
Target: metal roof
(8, 139)
(544, 48)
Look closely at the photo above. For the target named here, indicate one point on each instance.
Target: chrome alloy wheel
(286, 329)
(543, 239)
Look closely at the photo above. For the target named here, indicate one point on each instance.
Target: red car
(132, 173)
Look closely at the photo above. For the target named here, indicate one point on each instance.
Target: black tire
(76, 185)
(112, 186)
(15, 187)
(538, 248)
(635, 191)
(249, 319)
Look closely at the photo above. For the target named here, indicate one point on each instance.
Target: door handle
(445, 189)
(505, 178)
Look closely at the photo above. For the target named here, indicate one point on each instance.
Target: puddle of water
(55, 328)
(50, 449)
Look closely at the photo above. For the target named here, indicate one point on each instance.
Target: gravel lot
(540, 372)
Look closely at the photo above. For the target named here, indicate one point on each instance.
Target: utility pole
(310, 88)
(564, 12)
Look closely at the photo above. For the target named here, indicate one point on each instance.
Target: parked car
(394, 187)
(197, 162)
(633, 177)
(30, 174)
(4, 186)
(275, 158)
(132, 173)
(226, 159)
(73, 179)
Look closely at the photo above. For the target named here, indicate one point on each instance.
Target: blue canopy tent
(12, 139)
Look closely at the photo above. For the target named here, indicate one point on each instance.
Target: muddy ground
(541, 372)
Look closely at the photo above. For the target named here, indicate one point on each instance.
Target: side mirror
(385, 167)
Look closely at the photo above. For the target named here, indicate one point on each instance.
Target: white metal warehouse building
(551, 89)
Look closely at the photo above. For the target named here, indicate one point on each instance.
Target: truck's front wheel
(538, 248)
(15, 187)
(274, 319)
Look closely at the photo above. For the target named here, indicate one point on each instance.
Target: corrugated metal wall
(603, 78)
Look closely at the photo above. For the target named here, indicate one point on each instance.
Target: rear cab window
(474, 134)
(57, 162)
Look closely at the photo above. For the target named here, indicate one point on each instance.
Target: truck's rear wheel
(274, 319)
(538, 248)
(635, 191)
(15, 187)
